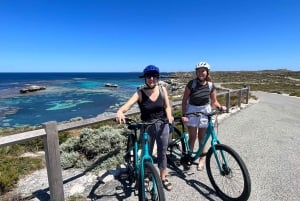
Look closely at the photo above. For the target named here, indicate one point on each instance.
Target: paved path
(266, 135)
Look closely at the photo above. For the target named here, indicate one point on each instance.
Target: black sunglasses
(152, 75)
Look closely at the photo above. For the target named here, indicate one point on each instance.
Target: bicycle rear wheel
(150, 186)
(232, 182)
(176, 148)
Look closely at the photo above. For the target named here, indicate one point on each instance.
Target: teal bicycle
(226, 170)
(140, 168)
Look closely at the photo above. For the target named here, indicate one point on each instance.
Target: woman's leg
(201, 134)
(162, 144)
(151, 141)
(192, 136)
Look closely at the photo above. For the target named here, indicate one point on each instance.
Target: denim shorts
(198, 121)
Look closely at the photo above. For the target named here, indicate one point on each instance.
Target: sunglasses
(151, 75)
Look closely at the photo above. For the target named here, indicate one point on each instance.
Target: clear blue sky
(127, 35)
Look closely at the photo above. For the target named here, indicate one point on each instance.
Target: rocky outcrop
(111, 85)
(32, 88)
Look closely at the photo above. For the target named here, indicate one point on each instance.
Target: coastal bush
(94, 148)
(68, 159)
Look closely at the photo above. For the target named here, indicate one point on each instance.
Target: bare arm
(184, 103)
(120, 116)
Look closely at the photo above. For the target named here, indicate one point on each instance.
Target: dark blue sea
(67, 96)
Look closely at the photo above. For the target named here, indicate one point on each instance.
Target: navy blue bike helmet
(151, 69)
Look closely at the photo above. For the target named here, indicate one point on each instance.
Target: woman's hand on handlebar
(120, 117)
(222, 108)
(171, 120)
(184, 119)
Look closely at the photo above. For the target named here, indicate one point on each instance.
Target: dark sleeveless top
(200, 95)
(152, 109)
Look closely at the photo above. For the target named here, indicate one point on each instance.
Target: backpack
(194, 84)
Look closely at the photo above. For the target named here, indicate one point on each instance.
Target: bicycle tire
(176, 148)
(130, 158)
(230, 176)
(154, 188)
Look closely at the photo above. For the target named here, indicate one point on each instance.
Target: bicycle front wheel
(150, 186)
(232, 180)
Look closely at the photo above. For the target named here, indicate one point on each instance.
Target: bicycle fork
(223, 163)
(145, 157)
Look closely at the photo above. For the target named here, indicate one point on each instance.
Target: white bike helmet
(203, 64)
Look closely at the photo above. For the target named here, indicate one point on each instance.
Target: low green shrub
(100, 148)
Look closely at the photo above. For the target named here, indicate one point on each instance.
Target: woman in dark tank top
(153, 105)
(151, 110)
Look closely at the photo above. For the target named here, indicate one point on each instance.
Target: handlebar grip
(171, 128)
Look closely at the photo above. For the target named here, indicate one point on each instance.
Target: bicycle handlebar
(134, 125)
(206, 114)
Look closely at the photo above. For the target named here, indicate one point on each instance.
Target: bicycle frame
(210, 132)
(141, 163)
(145, 155)
(233, 180)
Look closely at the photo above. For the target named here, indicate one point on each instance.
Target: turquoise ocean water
(67, 96)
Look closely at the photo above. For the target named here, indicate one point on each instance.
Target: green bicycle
(226, 170)
(141, 169)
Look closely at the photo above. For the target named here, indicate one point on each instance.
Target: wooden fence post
(52, 155)
(247, 94)
(239, 97)
(228, 101)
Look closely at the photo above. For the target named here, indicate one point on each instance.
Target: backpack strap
(194, 84)
(210, 85)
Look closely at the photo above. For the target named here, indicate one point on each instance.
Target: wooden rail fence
(50, 130)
